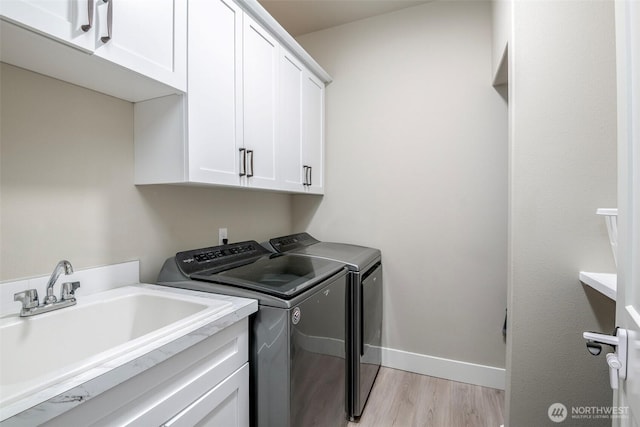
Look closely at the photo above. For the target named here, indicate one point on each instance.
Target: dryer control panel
(292, 241)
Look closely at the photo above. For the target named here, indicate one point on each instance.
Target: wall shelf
(605, 283)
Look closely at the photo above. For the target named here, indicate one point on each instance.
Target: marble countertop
(67, 394)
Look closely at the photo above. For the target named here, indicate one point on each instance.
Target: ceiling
(306, 16)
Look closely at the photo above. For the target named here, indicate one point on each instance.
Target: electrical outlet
(222, 236)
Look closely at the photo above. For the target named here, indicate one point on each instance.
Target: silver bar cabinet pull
(243, 162)
(105, 39)
(306, 175)
(87, 27)
(250, 153)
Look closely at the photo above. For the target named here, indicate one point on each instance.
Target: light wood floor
(405, 399)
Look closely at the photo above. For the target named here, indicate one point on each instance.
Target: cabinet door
(313, 132)
(146, 36)
(290, 123)
(58, 19)
(227, 405)
(163, 391)
(260, 61)
(215, 91)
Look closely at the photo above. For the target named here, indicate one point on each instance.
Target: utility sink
(102, 331)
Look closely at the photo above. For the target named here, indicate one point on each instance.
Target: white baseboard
(454, 370)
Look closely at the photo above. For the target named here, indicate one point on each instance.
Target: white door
(260, 62)
(62, 20)
(628, 297)
(313, 133)
(146, 36)
(227, 404)
(290, 123)
(215, 91)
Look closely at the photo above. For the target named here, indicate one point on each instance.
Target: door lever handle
(617, 360)
(614, 370)
(612, 340)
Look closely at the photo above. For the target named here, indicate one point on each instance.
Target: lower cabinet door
(227, 404)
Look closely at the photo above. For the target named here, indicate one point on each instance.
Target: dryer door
(318, 365)
(370, 340)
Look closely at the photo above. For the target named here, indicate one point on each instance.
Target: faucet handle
(28, 298)
(69, 290)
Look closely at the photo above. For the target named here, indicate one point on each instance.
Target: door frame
(628, 277)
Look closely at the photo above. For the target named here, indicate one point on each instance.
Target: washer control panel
(219, 258)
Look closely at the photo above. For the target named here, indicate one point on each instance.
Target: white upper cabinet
(146, 36)
(214, 114)
(260, 64)
(253, 115)
(301, 127)
(142, 41)
(223, 95)
(61, 19)
(313, 133)
(290, 123)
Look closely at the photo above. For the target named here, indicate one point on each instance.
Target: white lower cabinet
(224, 405)
(207, 384)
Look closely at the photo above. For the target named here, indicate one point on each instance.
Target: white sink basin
(117, 325)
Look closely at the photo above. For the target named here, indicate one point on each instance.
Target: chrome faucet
(29, 298)
(63, 266)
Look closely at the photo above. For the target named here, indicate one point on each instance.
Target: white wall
(67, 188)
(501, 19)
(563, 167)
(416, 150)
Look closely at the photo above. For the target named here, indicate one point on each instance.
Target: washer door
(281, 275)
